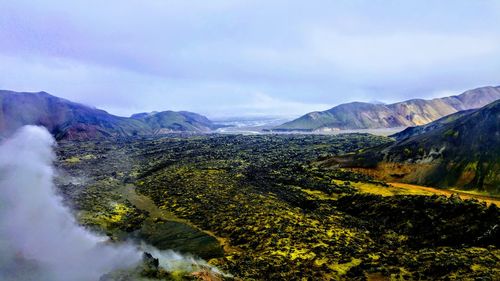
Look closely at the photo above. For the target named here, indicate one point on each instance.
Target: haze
(228, 58)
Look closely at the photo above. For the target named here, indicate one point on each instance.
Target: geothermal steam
(39, 239)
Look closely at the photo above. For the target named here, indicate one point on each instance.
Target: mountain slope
(417, 130)
(359, 115)
(169, 121)
(63, 118)
(74, 121)
(462, 153)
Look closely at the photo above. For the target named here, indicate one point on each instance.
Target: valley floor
(257, 207)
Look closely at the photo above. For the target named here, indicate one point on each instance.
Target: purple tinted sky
(226, 58)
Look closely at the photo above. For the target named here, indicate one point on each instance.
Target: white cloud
(261, 103)
(213, 58)
(391, 53)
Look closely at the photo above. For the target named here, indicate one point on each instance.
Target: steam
(37, 234)
(39, 238)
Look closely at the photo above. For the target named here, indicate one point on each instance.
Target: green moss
(451, 133)
(89, 157)
(118, 213)
(477, 267)
(277, 214)
(72, 160)
(343, 268)
(471, 166)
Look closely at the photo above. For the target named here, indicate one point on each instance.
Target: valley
(250, 140)
(261, 208)
(461, 151)
(207, 201)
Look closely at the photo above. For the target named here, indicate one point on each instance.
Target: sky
(247, 58)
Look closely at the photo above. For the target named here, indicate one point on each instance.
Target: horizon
(232, 140)
(236, 59)
(255, 117)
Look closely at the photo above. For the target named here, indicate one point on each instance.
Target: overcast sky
(226, 58)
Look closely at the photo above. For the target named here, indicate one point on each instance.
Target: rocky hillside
(417, 130)
(461, 151)
(359, 115)
(73, 121)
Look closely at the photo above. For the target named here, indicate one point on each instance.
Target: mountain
(359, 115)
(171, 121)
(63, 118)
(460, 151)
(417, 130)
(73, 121)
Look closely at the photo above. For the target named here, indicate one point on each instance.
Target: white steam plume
(39, 238)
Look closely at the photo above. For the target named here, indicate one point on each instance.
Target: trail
(397, 188)
(145, 203)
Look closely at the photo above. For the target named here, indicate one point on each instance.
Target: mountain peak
(414, 112)
(460, 150)
(70, 120)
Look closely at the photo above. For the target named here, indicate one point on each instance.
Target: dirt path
(145, 203)
(447, 192)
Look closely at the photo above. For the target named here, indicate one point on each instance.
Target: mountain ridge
(459, 152)
(69, 120)
(417, 130)
(413, 112)
(182, 121)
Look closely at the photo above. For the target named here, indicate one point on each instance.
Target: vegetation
(260, 208)
(67, 120)
(459, 151)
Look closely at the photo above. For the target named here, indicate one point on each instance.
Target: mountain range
(459, 151)
(73, 121)
(360, 115)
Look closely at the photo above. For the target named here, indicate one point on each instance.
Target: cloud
(260, 104)
(395, 52)
(157, 55)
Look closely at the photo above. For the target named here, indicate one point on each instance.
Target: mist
(39, 238)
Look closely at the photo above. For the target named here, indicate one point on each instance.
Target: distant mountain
(462, 151)
(359, 115)
(63, 118)
(171, 121)
(74, 121)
